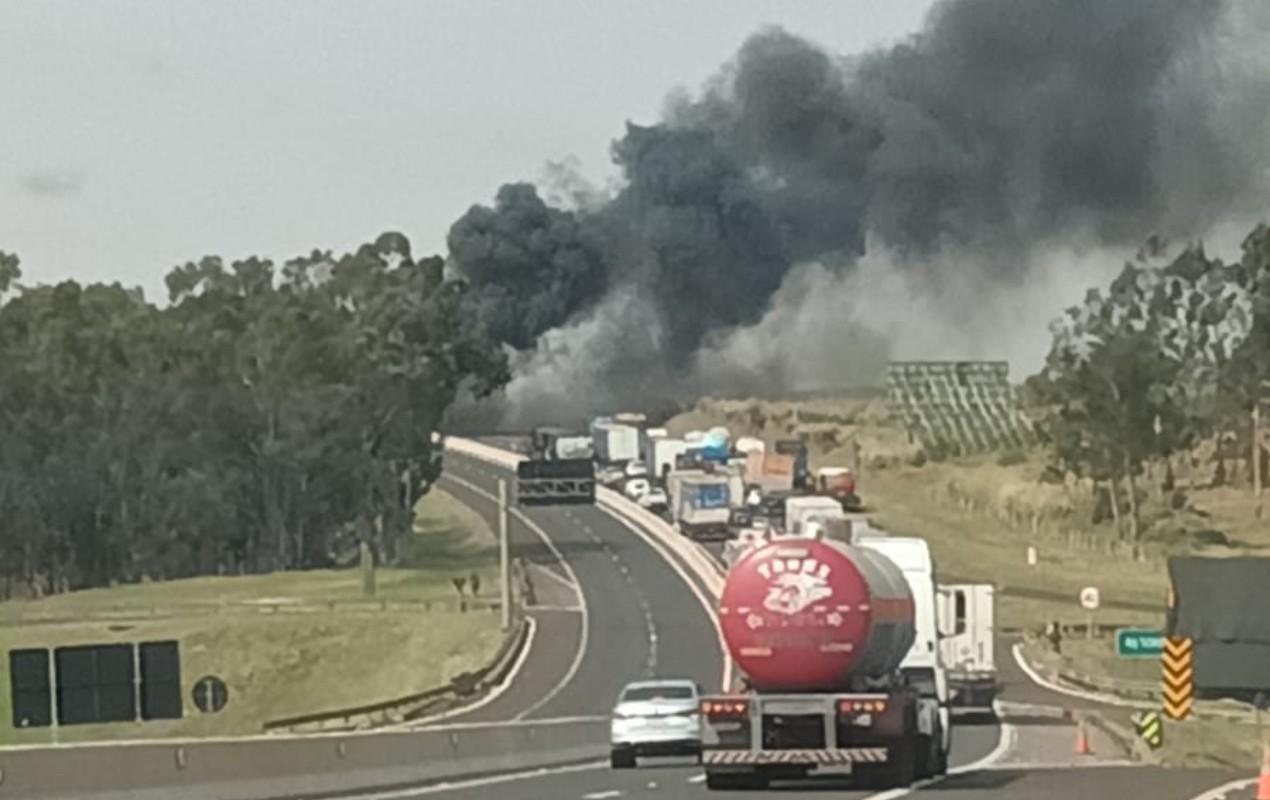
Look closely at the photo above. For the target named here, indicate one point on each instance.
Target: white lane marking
(569, 609)
(1045, 683)
(652, 638)
(551, 573)
(1025, 766)
(472, 783)
(1220, 792)
(661, 549)
(498, 690)
(1007, 737)
(602, 795)
(651, 665)
(582, 602)
(697, 779)
(675, 565)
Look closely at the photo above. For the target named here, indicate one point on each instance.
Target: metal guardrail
(259, 767)
(133, 612)
(1142, 695)
(464, 687)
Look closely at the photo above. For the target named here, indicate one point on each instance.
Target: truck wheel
(926, 755)
(902, 770)
(941, 756)
(622, 759)
(933, 759)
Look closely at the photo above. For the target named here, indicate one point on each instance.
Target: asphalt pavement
(641, 619)
(996, 783)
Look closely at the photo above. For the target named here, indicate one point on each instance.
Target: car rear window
(658, 693)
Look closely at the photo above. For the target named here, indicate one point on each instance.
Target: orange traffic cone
(1263, 780)
(1082, 740)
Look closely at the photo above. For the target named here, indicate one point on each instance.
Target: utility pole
(504, 562)
(1256, 447)
(53, 704)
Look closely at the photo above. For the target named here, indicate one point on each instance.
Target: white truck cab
(967, 614)
(924, 663)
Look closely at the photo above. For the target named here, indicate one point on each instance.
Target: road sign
(210, 694)
(1131, 643)
(1150, 728)
(1179, 677)
(1089, 598)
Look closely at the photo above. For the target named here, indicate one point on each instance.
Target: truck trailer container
(700, 504)
(614, 442)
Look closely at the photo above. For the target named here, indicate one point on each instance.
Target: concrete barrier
(257, 767)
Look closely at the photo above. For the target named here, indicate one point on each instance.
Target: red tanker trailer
(836, 643)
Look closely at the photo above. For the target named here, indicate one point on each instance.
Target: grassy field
(980, 514)
(287, 643)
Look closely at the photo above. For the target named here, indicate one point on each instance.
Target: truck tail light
(725, 708)
(848, 706)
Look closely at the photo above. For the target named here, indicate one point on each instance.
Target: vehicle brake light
(725, 708)
(850, 706)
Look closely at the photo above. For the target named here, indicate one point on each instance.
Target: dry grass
(279, 664)
(981, 513)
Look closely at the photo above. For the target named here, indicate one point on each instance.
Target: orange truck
(838, 483)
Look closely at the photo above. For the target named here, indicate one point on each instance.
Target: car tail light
(847, 705)
(725, 708)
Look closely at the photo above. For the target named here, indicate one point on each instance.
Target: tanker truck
(836, 646)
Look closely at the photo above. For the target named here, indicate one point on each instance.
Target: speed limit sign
(1089, 598)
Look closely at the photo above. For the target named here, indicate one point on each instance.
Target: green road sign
(1131, 643)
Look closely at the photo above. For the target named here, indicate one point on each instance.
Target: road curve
(1027, 759)
(641, 619)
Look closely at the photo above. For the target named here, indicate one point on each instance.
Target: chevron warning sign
(1150, 728)
(1179, 676)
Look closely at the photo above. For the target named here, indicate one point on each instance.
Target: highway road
(640, 618)
(1003, 782)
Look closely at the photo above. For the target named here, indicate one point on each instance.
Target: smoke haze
(806, 216)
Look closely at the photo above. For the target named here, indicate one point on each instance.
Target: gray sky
(139, 134)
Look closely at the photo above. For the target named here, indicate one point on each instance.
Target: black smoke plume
(806, 216)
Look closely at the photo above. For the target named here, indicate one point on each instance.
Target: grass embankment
(287, 643)
(980, 514)
(1196, 742)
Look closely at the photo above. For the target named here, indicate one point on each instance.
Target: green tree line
(264, 419)
(1175, 351)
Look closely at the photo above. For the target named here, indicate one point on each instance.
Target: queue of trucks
(851, 655)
